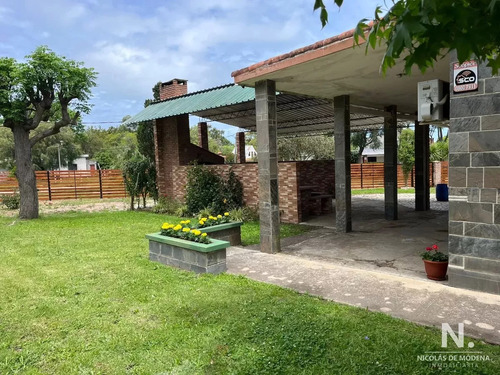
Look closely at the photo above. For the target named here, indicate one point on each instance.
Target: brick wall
(474, 180)
(320, 173)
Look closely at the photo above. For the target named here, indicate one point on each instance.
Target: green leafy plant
(207, 190)
(244, 214)
(11, 201)
(439, 151)
(406, 152)
(433, 254)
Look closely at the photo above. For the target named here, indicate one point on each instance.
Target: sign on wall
(465, 77)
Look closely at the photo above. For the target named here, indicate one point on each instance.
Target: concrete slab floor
(375, 243)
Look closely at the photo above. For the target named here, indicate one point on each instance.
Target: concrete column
(341, 112)
(422, 189)
(267, 122)
(203, 135)
(240, 147)
(391, 163)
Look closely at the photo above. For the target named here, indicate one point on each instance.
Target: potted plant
(436, 263)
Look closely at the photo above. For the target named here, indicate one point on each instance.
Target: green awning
(196, 102)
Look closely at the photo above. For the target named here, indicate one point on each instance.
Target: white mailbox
(432, 101)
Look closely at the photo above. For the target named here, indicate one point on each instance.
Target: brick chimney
(173, 88)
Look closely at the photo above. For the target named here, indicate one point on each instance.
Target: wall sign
(465, 77)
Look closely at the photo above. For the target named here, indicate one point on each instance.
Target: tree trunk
(132, 206)
(25, 174)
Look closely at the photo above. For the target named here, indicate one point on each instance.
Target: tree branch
(64, 121)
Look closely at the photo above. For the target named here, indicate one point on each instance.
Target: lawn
(408, 190)
(78, 295)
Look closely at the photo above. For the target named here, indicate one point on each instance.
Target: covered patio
(333, 71)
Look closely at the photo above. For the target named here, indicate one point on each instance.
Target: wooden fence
(54, 185)
(371, 175)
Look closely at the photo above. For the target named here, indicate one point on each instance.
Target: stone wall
(474, 180)
(291, 176)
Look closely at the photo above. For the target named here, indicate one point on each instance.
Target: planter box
(188, 255)
(230, 232)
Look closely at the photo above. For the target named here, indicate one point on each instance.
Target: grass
(78, 295)
(381, 191)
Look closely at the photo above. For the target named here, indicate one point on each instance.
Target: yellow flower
(201, 222)
(186, 230)
(187, 221)
(226, 213)
(165, 226)
(196, 232)
(219, 216)
(211, 217)
(177, 227)
(203, 234)
(182, 222)
(204, 219)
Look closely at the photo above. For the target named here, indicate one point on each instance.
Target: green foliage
(217, 142)
(233, 191)
(406, 151)
(207, 190)
(316, 147)
(423, 31)
(11, 201)
(360, 140)
(146, 140)
(439, 151)
(167, 205)
(204, 190)
(139, 175)
(244, 214)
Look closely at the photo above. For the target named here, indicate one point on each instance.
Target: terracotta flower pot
(436, 270)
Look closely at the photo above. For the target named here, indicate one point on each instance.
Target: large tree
(29, 92)
(424, 30)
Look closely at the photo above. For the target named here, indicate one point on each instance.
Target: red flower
(428, 248)
(435, 247)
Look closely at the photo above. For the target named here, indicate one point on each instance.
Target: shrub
(206, 190)
(182, 211)
(11, 201)
(244, 214)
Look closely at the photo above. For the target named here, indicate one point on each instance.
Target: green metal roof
(199, 101)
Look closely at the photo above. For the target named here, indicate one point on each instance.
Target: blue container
(442, 192)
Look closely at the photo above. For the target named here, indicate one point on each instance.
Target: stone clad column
(422, 190)
(341, 113)
(240, 148)
(267, 122)
(203, 135)
(391, 163)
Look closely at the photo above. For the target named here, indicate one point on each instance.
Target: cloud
(133, 45)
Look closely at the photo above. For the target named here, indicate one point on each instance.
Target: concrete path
(410, 298)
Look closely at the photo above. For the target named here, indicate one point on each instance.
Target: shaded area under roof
(235, 105)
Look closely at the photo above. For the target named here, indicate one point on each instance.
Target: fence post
(74, 180)
(412, 177)
(48, 185)
(432, 174)
(361, 166)
(100, 183)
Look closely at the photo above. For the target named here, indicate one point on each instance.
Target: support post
(422, 189)
(203, 135)
(267, 122)
(240, 148)
(341, 113)
(391, 163)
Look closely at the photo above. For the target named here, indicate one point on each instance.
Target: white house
(250, 152)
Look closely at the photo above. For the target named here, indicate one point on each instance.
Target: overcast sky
(134, 44)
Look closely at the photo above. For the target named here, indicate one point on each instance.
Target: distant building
(82, 163)
(250, 152)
